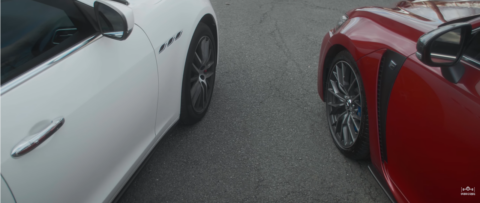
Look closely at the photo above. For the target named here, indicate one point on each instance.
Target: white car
(89, 87)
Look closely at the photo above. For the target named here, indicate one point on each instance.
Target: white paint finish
(118, 98)
(7, 196)
(107, 93)
(161, 20)
(173, 16)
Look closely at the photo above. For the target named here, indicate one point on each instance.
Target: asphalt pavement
(265, 137)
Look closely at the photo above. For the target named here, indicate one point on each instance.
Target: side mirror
(443, 46)
(114, 19)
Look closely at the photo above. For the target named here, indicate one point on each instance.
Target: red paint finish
(398, 29)
(371, 29)
(361, 36)
(433, 133)
(433, 126)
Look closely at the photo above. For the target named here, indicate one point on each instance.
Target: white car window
(32, 32)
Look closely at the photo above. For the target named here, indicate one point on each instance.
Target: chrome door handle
(31, 142)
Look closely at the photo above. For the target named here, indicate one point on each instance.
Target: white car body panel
(107, 93)
(173, 16)
(7, 196)
(162, 20)
(91, 157)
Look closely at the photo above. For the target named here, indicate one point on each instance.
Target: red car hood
(440, 11)
(414, 18)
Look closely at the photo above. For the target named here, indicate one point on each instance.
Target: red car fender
(369, 74)
(367, 30)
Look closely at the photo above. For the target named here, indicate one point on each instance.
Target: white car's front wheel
(198, 76)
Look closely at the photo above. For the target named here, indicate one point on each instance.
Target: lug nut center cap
(348, 102)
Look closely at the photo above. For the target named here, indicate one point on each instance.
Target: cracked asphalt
(265, 137)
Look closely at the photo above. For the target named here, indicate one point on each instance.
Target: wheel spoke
(204, 94)
(205, 47)
(337, 95)
(198, 58)
(205, 85)
(335, 105)
(351, 85)
(193, 79)
(209, 55)
(355, 116)
(195, 93)
(340, 125)
(345, 135)
(337, 110)
(334, 90)
(339, 75)
(209, 74)
(209, 65)
(337, 118)
(351, 132)
(335, 72)
(340, 78)
(334, 86)
(357, 103)
(354, 98)
(357, 126)
(196, 69)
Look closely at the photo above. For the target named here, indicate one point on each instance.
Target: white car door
(106, 90)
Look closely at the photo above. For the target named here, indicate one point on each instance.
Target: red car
(402, 87)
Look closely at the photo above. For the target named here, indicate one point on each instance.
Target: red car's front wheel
(346, 107)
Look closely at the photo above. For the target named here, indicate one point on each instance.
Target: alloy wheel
(344, 104)
(202, 74)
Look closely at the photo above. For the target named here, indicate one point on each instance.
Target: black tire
(343, 129)
(192, 109)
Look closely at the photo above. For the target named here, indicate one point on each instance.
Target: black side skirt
(379, 178)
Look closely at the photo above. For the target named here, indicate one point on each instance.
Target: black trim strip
(389, 67)
(383, 184)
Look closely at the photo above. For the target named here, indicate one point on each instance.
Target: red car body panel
(429, 163)
(443, 151)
